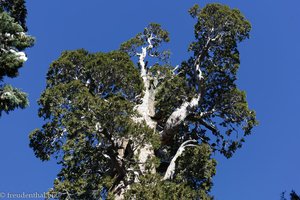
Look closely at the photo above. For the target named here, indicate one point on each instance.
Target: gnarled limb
(177, 117)
(146, 108)
(182, 112)
(172, 166)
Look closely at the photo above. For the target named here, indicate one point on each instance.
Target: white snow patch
(22, 56)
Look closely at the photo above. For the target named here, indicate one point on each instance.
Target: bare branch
(207, 113)
(209, 126)
(172, 166)
(149, 40)
(177, 117)
(175, 69)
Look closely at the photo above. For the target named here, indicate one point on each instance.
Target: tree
(121, 131)
(293, 196)
(17, 10)
(13, 40)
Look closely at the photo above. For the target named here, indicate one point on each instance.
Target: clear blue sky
(269, 162)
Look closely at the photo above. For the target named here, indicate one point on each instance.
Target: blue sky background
(268, 163)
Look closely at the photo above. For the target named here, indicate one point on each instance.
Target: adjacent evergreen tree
(17, 10)
(13, 40)
(146, 131)
(293, 196)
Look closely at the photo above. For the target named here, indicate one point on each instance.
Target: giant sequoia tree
(13, 40)
(146, 131)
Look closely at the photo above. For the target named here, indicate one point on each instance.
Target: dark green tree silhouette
(13, 40)
(293, 196)
(146, 131)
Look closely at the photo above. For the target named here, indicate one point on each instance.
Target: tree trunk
(145, 110)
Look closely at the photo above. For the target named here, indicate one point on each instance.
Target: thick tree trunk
(145, 110)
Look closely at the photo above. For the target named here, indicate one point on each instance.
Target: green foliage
(78, 83)
(152, 30)
(13, 42)
(104, 74)
(151, 187)
(13, 39)
(196, 168)
(193, 179)
(11, 98)
(221, 19)
(16, 9)
(218, 31)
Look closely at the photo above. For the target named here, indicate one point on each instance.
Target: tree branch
(209, 126)
(172, 166)
(177, 117)
(207, 113)
(199, 118)
(181, 113)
